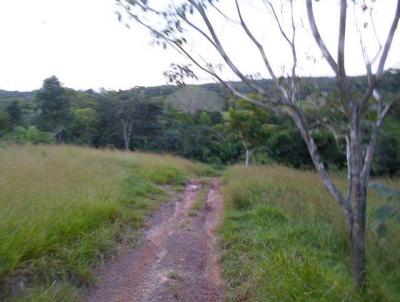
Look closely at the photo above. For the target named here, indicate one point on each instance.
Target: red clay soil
(178, 260)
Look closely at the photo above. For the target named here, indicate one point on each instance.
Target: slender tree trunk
(127, 129)
(360, 196)
(249, 153)
(126, 141)
(358, 237)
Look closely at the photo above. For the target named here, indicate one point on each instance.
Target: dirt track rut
(178, 260)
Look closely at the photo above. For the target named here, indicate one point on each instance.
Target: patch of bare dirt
(178, 260)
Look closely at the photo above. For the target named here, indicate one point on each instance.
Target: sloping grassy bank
(63, 209)
(283, 239)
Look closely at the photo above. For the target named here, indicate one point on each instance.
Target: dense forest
(201, 122)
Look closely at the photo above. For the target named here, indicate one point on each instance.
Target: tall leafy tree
(137, 115)
(250, 124)
(53, 108)
(83, 125)
(14, 113)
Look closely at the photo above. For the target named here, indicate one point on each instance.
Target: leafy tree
(83, 125)
(202, 136)
(146, 123)
(169, 24)
(14, 113)
(53, 108)
(250, 124)
(137, 116)
(4, 121)
(286, 146)
(125, 116)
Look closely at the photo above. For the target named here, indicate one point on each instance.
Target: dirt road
(178, 260)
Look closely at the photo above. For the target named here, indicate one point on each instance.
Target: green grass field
(283, 239)
(64, 209)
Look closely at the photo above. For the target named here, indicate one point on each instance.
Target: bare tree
(197, 16)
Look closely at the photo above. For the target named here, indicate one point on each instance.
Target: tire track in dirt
(178, 260)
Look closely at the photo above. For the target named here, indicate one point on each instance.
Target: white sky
(83, 44)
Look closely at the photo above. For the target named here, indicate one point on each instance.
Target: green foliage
(283, 239)
(4, 121)
(387, 158)
(53, 107)
(250, 124)
(118, 112)
(167, 175)
(286, 146)
(190, 121)
(34, 136)
(30, 135)
(202, 137)
(388, 212)
(15, 113)
(83, 124)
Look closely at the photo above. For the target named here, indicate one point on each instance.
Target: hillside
(213, 96)
(193, 98)
(4, 95)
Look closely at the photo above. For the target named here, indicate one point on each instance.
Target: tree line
(140, 119)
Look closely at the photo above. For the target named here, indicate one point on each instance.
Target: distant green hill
(4, 94)
(193, 98)
(213, 96)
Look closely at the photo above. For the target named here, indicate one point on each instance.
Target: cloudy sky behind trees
(82, 43)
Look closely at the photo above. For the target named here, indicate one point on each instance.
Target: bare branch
(278, 22)
(342, 39)
(222, 52)
(198, 29)
(294, 55)
(223, 14)
(389, 41)
(255, 41)
(302, 125)
(376, 37)
(373, 141)
(178, 46)
(290, 94)
(367, 62)
(318, 38)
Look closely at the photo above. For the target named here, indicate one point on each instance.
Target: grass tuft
(201, 200)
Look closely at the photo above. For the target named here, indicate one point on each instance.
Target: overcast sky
(83, 44)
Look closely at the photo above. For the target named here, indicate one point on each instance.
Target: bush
(31, 135)
(34, 136)
(167, 175)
